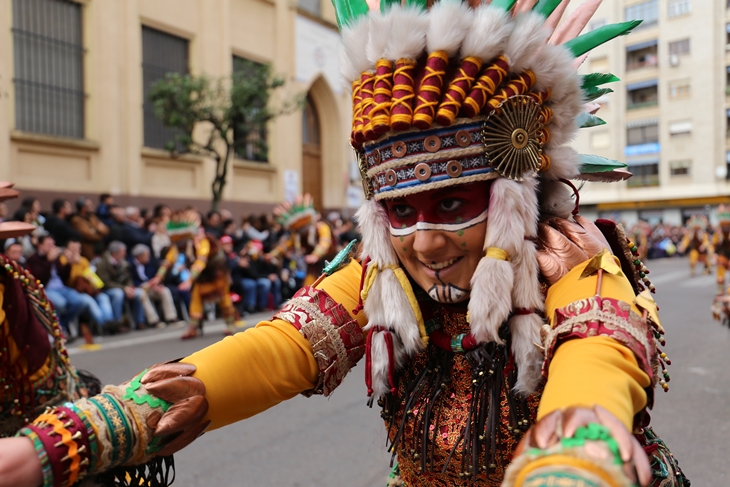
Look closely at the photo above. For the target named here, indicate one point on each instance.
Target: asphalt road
(339, 441)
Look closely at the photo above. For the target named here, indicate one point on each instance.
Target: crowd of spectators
(98, 262)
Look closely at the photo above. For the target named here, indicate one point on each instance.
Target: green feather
(386, 4)
(505, 5)
(591, 94)
(546, 7)
(584, 43)
(590, 164)
(358, 8)
(342, 12)
(586, 120)
(597, 79)
(420, 4)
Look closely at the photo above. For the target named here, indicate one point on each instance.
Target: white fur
(556, 199)
(353, 39)
(564, 163)
(408, 36)
(375, 230)
(525, 331)
(380, 360)
(380, 28)
(488, 34)
(552, 68)
(388, 306)
(491, 301)
(449, 21)
(528, 36)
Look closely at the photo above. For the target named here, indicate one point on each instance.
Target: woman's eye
(450, 204)
(402, 211)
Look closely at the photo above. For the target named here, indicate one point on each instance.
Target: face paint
(439, 237)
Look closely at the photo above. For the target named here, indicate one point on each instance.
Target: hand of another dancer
(311, 259)
(563, 244)
(185, 285)
(19, 464)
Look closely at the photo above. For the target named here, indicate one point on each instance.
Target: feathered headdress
(297, 215)
(723, 214)
(460, 92)
(183, 225)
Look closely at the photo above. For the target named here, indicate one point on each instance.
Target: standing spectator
(92, 230)
(104, 210)
(115, 273)
(142, 267)
(83, 279)
(45, 267)
(57, 224)
(14, 250)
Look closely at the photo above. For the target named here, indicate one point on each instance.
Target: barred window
(252, 145)
(162, 53)
(49, 67)
(647, 11)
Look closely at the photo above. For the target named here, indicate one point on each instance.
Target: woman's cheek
(401, 245)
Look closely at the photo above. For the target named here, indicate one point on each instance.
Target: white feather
(488, 34)
(552, 67)
(380, 28)
(353, 39)
(556, 199)
(408, 38)
(525, 331)
(564, 163)
(528, 36)
(375, 230)
(449, 21)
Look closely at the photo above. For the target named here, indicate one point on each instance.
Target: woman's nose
(429, 243)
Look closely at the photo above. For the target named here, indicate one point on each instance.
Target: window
(644, 174)
(162, 53)
(643, 55)
(680, 168)
(682, 127)
(646, 11)
(727, 80)
(311, 6)
(679, 88)
(679, 7)
(600, 140)
(727, 122)
(642, 134)
(727, 167)
(679, 48)
(727, 37)
(595, 24)
(49, 67)
(249, 142)
(642, 94)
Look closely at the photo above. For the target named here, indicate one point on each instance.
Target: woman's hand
(19, 464)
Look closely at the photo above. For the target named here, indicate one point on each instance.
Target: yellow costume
(697, 244)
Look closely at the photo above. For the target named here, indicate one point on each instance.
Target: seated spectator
(160, 238)
(213, 223)
(114, 271)
(258, 278)
(14, 250)
(57, 223)
(83, 279)
(134, 232)
(142, 267)
(92, 230)
(45, 267)
(103, 211)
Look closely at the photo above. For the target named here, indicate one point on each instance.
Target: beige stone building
(668, 118)
(74, 119)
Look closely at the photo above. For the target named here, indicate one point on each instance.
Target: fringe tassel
(158, 472)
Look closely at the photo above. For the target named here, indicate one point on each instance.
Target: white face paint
(443, 227)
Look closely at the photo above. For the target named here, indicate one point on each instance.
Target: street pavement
(339, 441)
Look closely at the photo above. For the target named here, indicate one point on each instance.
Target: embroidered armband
(337, 341)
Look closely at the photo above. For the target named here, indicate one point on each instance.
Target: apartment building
(669, 117)
(75, 120)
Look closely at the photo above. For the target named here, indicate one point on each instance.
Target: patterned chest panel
(455, 422)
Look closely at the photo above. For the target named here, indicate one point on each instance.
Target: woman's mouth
(434, 268)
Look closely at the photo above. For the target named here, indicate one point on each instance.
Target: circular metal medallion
(511, 136)
(391, 177)
(376, 156)
(454, 168)
(432, 143)
(423, 171)
(463, 138)
(399, 149)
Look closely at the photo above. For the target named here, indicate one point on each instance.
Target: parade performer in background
(508, 340)
(721, 246)
(308, 235)
(208, 280)
(696, 243)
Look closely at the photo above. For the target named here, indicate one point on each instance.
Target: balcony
(643, 181)
(642, 104)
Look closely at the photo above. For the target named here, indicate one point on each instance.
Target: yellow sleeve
(169, 261)
(324, 240)
(595, 370)
(254, 370)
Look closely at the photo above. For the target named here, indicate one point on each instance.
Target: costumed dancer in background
(721, 246)
(308, 235)
(208, 280)
(639, 233)
(508, 340)
(696, 243)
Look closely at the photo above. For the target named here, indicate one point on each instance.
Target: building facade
(74, 120)
(669, 118)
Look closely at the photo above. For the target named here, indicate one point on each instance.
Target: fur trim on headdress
(489, 31)
(407, 43)
(556, 199)
(528, 37)
(565, 163)
(353, 39)
(380, 28)
(381, 358)
(450, 21)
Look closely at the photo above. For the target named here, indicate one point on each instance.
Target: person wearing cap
(506, 339)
